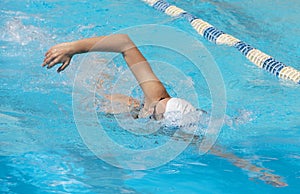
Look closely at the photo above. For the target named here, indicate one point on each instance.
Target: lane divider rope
(212, 34)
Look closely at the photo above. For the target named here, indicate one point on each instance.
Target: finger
(51, 58)
(49, 52)
(44, 64)
(63, 67)
(53, 63)
(46, 61)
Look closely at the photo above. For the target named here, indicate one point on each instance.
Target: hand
(272, 179)
(61, 53)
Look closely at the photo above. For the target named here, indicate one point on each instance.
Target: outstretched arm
(120, 43)
(262, 173)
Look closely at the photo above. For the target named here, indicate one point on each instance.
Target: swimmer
(158, 104)
(157, 101)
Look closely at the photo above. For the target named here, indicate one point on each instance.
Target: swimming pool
(42, 152)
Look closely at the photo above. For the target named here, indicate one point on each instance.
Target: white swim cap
(175, 110)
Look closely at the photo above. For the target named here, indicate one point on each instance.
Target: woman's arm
(62, 53)
(120, 43)
(263, 174)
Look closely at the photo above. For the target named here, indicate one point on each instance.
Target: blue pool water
(41, 150)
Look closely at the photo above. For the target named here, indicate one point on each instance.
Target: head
(167, 109)
(179, 105)
(175, 111)
(170, 109)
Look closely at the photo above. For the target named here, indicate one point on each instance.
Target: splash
(15, 31)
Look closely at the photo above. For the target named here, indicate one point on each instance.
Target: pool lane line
(212, 34)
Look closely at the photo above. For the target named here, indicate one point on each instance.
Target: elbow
(127, 43)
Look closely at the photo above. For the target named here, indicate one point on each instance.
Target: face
(156, 115)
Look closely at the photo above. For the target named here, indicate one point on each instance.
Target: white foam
(15, 31)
